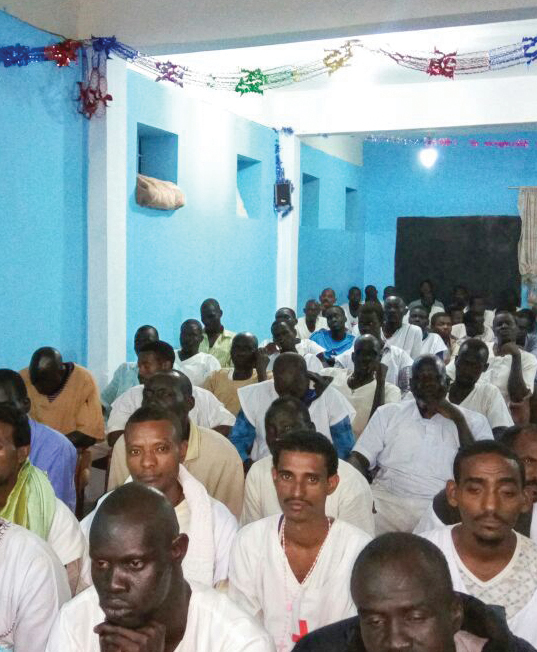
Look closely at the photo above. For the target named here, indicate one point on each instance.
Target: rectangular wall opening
(351, 209)
(310, 201)
(158, 152)
(248, 187)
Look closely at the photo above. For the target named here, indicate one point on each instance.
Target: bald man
(196, 364)
(216, 339)
(140, 600)
(312, 320)
(404, 595)
(64, 396)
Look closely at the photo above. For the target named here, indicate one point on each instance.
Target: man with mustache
(291, 570)
(486, 557)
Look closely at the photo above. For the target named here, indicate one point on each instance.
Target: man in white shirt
(364, 387)
(140, 600)
(473, 325)
(33, 586)
(466, 390)
(397, 362)
(210, 457)
(156, 449)
(283, 567)
(352, 309)
(312, 320)
(427, 299)
(404, 336)
(486, 557)
(351, 501)
(431, 342)
(331, 413)
(198, 366)
(413, 444)
(285, 340)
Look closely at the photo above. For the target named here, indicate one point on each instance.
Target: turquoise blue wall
(330, 255)
(465, 181)
(176, 259)
(42, 206)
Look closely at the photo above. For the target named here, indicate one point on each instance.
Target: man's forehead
(484, 465)
(301, 461)
(392, 585)
(122, 535)
(526, 444)
(161, 427)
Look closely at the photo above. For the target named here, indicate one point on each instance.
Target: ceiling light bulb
(428, 157)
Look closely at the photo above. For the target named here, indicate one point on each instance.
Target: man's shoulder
(354, 537)
(210, 440)
(259, 531)
(86, 606)
(440, 536)
(337, 637)
(82, 374)
(264, 387)
(131, 396)
(53, 439)
(25, 547)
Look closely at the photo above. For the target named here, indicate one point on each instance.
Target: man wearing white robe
(33, 586)
(396, 333)
(413, 444)
(352, 500)
(312, 317)
(155, 449)
(155, 609)
(431, 343)
(284, 339)
(291, 571)
(486, 557)
(198, 366)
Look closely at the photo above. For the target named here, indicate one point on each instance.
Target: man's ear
(22, 454)
(457, 614)
(26, 404)
(183, 447)
(333, 481)
(191, 402)
(179, 547)
(451, 493)
(274, 474)
(528, 501)
(485, 367)
(167, 365)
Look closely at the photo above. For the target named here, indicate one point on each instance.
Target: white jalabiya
(352, 501)
(362, 397)
(65, 536)
(514, 588)
(488, 401)
(214, 624)
(263, 584)
(308, 349)
(352, 322)
(33, 587)
(302, 330)
(395, 359)
(198, 368)
(433, 344)
(327, 410)
(211, 530)
(408, 338)
(207, 412)
(458, 331)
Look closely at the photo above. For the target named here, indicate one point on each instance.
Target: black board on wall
(479, 252)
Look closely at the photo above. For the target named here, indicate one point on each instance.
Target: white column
(287, 258)
(107, 233)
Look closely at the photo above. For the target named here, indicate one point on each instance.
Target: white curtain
(527, 245)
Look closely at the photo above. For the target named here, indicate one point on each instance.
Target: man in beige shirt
(210, 457)
(64, 396)
(216, 339)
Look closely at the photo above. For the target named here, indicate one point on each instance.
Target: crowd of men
(365, 481)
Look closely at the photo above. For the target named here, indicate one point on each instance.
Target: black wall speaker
(282, 193)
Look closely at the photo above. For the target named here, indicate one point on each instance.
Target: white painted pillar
(107, 232)
(287, 258)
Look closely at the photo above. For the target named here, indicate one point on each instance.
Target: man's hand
(509, 348)
(80, 439)
(261, 361)
(320, 383)
(448, 410)
(270, 349)
(380, 372)
(113, 638)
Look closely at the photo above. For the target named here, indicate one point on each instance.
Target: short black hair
(484, 447)
(526, 312)
(161, 350)
(511, 434)
(454, 307)
(10, 376)
(22, 435)
(370, 307)
(288, 404)
(150, 413)
(438, 315)
(475, 345)
(304, 441)
(188, 322)
(468, 317)
(475, 297)
(284, 308)
(278, 322)
(394, 546)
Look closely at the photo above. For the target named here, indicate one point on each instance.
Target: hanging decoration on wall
(283, 187)
(253, 81)
(426, 141)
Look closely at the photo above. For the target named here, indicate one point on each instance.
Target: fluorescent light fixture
(428, 156)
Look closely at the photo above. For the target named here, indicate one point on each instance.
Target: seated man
(195, 364)
(335, 339)
(470, 364)
(413, 444)
(284, 567)
(404, 595)
(441, 324)
(352, 309)
(405, 336)
(327, 299)
(351, 501)
(156, 448)
(285, 341)
(64, 396)
(330, 411)
(50, 451)
(526, 337)
(397, 362)
(153, 358)
(430, 342)
(371, 294)
(312, 320)
(364, 387)
(33, 587)
(486, 557)
(140, 600)
(210, 457)
(389, 291)
(456, 312)
(126, 375)
(249, 366)
(522, 440)
(216, 339)
(473, 325)
(427, 299)
(27, 497)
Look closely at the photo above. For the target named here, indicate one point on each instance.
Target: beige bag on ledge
(155, 193)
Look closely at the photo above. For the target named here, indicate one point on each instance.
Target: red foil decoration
(63, 53)
(443, 66)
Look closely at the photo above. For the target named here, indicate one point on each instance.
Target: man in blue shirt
(50, 451)
(335, 339)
